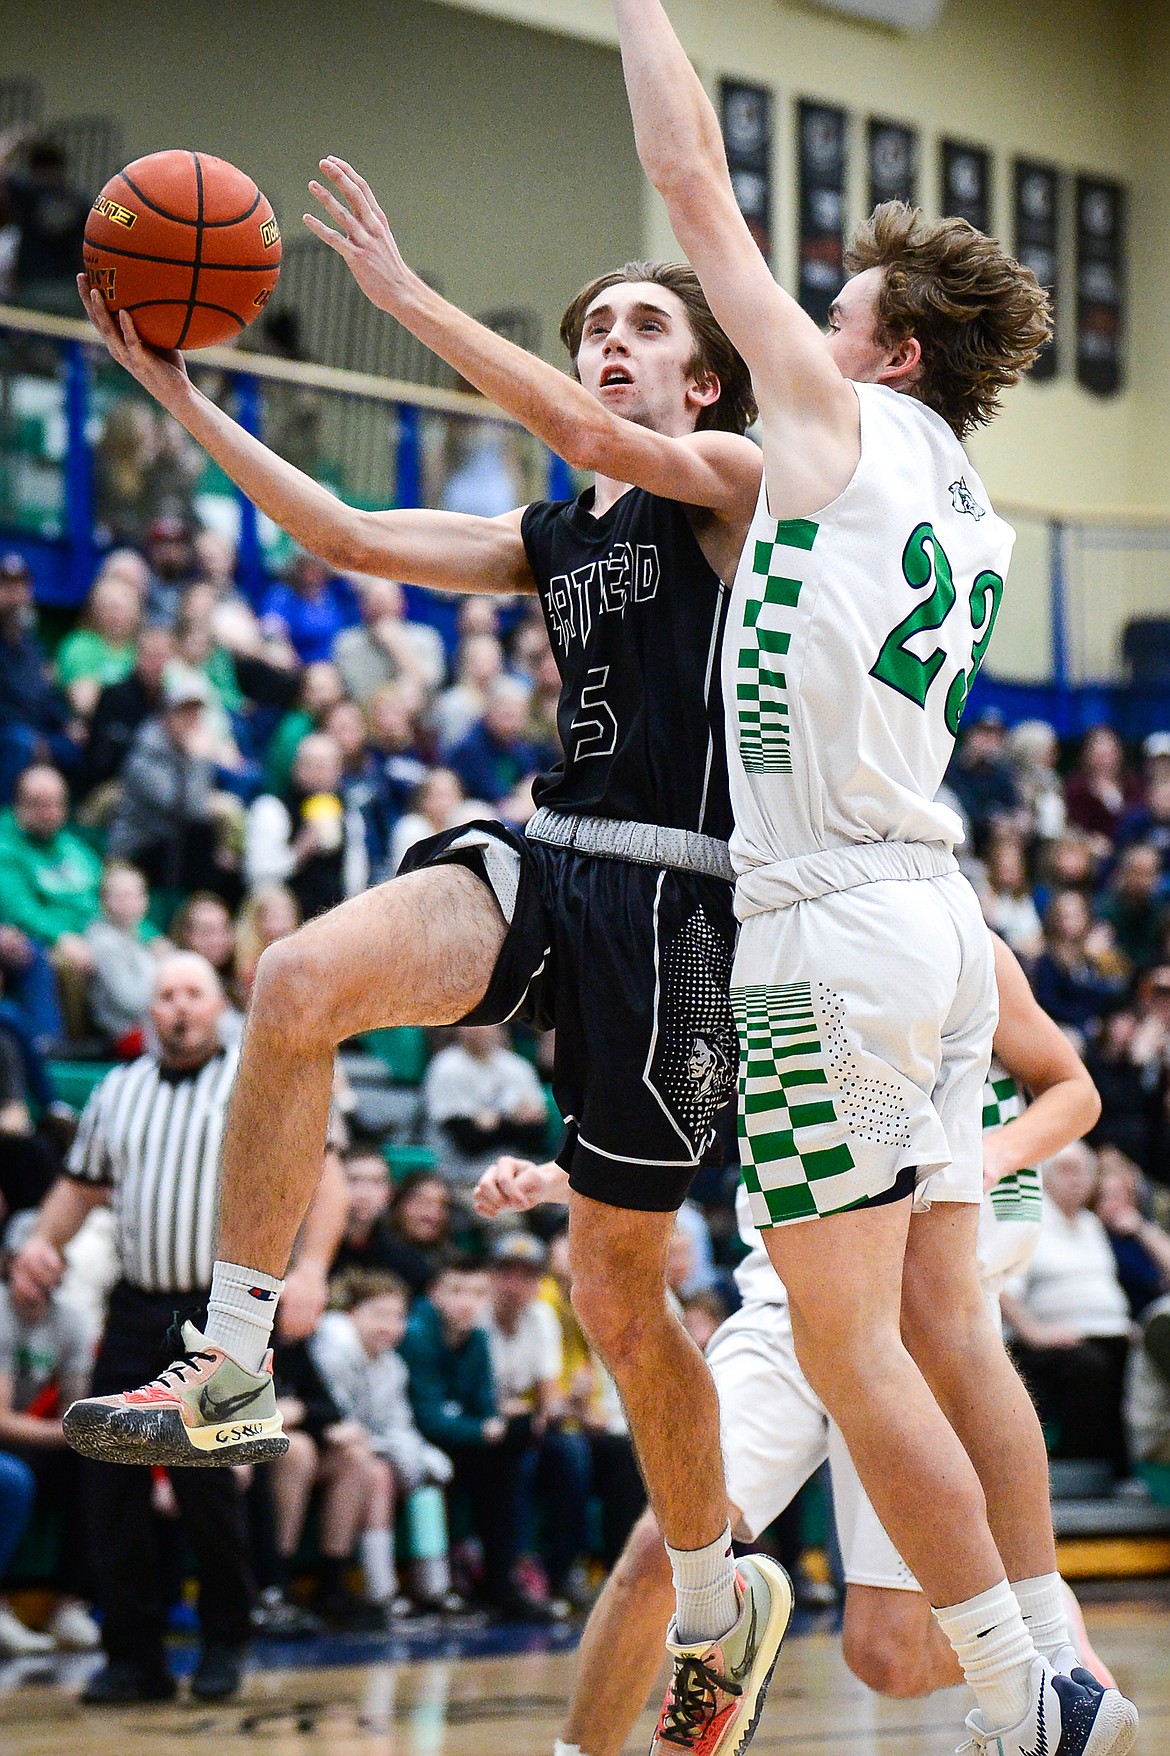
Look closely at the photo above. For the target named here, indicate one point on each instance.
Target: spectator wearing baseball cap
(35, 724)
(524, 1337)
(166, 822)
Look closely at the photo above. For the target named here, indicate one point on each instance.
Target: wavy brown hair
(980, 317)
(736, 408)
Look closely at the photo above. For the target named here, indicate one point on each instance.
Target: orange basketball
(187, 244)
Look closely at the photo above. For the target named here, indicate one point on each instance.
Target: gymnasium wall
(1074, 82)
(503, 157)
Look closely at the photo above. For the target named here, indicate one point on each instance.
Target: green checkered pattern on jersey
(1016, 1196)
(792, 1145)
(761, 686)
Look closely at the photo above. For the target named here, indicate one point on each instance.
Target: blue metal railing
(64, 558)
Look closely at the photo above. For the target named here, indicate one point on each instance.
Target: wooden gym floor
(450, 1704)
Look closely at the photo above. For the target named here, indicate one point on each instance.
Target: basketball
(187, 244)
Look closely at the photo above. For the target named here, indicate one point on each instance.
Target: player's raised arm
(1036, 1052)
(681, 149)
(717, 470)
(446, 550)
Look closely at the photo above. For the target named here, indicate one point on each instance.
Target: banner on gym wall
(1100, 284)
(966, 183)
(893, 162)
(1036, 190)
(821, 173)
(745, 112)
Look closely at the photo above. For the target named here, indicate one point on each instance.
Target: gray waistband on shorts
(646, 844)
(827, 870)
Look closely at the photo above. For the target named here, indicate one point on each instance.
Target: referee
(149, 1143)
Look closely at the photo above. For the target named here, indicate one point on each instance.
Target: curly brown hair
(736, 408)
(980, 316)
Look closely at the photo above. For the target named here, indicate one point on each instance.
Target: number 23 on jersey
(925, 563)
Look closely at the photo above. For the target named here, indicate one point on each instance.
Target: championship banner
(822, 206)
(1037, 237)
(892, 162)
(1100, 284)
(745, 114)
(966, 183)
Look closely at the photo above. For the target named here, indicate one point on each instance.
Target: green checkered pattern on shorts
(761, 686)
(1016, 1196)
(792, 1145)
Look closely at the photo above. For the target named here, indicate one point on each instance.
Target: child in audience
(124, 961)
(452, 1391)
(46, 1348)
(355, 1350)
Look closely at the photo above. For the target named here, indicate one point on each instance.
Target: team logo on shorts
(964, 500)
(707, 1068)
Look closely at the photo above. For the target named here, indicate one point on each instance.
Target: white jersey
(1009, 1217)
(852, 641)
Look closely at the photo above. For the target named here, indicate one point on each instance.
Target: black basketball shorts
(631, 965)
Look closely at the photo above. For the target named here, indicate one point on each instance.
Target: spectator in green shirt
(452, 1392)
(49, 877)
(101, 649)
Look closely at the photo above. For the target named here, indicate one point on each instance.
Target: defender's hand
(164, 374)
(513, 1185)
(365, 242)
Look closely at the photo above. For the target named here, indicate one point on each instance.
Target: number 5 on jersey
(595, 725)
(924, 562)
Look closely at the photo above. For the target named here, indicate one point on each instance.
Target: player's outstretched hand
(164, 374)
(365, 242)
(513, 1185)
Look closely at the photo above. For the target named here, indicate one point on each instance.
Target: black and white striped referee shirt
(153, 1136)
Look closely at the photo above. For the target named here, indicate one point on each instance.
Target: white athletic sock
(706, 1594)
(240, 1312)
(562, 1749)
(376, 1553)
(1041, 1602)
(996, 1652)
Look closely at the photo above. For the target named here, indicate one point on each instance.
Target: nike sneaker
(205, 1409)
(1082, 1652)
(717, 1691)
(1068, 1716)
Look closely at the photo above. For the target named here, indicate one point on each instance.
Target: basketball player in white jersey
(863, 983)
(775, 1429)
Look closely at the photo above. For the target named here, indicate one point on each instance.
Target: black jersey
(635, 613)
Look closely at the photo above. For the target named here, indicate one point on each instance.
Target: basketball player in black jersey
(611, 919)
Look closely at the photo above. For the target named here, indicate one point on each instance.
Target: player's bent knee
(644, 1563)
(287, 996)
(883, 1662)
(616, 1329)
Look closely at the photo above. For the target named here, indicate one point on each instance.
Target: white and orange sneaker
(205, 1409)
(716, 1694)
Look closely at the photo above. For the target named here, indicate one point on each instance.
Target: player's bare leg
(921, 1482)
(950, 1333)
(729, 1621)
(620, 1654)
(891, 1642)
(618, 1259)
(416, 950)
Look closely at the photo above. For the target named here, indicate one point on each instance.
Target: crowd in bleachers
(1072, 864)
(190, 768)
